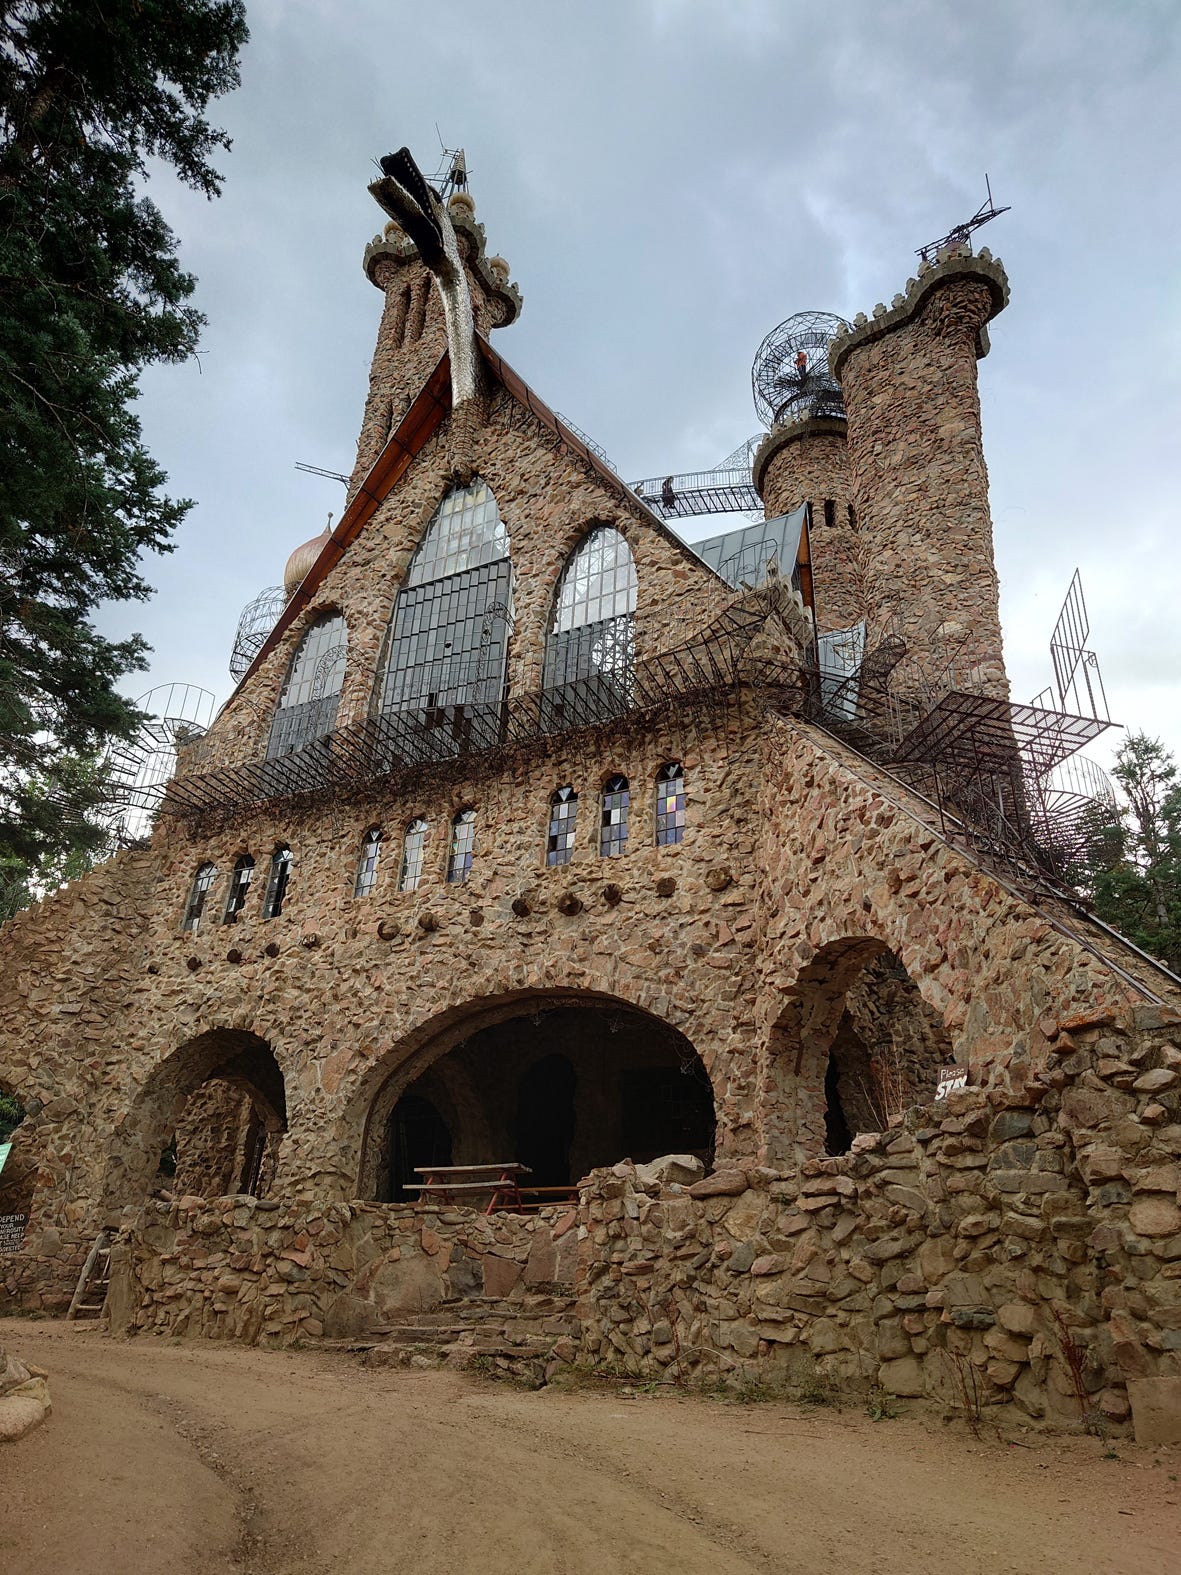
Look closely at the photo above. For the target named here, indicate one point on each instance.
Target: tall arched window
(613, 818)
(239, 888)
(443, 677)
(311, 691)
(590, 648)
(367, 867)
(195, 906)
(277, 882)
(463, 838)
(413, 849)
(563, 811)
(670, 804)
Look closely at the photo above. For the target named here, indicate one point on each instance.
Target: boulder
(682, 1168)
(1156, 1409)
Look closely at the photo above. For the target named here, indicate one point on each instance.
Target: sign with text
(12, 1231)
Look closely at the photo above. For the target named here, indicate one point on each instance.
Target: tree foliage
(1131, 866)
(91, 292)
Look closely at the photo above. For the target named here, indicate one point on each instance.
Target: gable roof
(414, 431)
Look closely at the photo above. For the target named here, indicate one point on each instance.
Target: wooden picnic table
(456, 1183)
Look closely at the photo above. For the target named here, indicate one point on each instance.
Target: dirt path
(202, 1458)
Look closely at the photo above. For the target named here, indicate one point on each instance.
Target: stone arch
(418, 1061)
(216, 1067)
(855, 1045)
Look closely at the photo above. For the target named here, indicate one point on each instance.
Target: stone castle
(533, 834)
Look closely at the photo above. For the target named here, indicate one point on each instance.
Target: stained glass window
(413, 849)
(277, 883)
(613, 821)
(367, 868)
(239, 888)
(195, 907)
(310, 695)
(670, 804)
(563, 811)
(463, 837)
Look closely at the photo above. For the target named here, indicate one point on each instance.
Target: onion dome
(303, 557)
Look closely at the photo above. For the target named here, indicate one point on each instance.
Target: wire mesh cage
(140, 768)
(790, 378)
(258, 618)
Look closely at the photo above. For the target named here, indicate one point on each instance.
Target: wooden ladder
(91, 1291)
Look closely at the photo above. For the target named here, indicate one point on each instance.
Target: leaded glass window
(277, 883)
(613, 819)
(239, 889)
(413, 850)
(590, 649)
(195, 906)
(443, 677)
(367, 867)
(563, 811)
(463, 837)
(670, 804)
(311, 692)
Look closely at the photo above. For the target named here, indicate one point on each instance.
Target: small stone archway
(855, 1047)
(209, 1120)
(560, 1082)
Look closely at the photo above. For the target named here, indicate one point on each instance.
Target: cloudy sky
(669, 179)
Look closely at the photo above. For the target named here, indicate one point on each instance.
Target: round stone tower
(916, 464)
(413, 336)
(804, 457)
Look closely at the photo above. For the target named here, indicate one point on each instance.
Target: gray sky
(669, 179)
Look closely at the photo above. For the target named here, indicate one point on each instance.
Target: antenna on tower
(961, 234)
(316, 470)
(452, 173)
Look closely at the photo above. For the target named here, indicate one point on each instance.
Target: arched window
(443, 676)
(277, 883)
(413, 849)
(590, 648)
(195, 906)
(563, 811)
(613, 821)
(311, 691)
(463, 837)
(670, 804)
(367, 868)
(239, 888)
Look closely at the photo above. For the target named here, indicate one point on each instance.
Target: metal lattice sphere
(790, 378)
(258, 618)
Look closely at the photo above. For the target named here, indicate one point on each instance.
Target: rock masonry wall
(919, 481)
(1018, 1244)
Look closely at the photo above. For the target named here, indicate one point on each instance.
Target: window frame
(239, 888)
(664, 777)
(317, 676)
(278, 881)
(419, 827)
(198, 899)
(461, 846)
(562, 832)
(616, 786)
(365, 879)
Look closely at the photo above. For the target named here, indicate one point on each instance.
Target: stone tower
(413, 337)
(917, 471)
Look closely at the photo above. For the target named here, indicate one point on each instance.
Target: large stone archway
(854, 1046)
(561, 1081)
(218, 1103)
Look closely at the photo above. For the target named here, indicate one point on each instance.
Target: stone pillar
(413, 337)
(920, 486)
(807, 462)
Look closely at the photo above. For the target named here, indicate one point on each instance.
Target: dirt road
(202, 1458)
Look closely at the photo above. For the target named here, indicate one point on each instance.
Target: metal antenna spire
(961, 234)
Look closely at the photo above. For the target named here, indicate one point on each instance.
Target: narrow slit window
(563, 812)
(195, 906)
(613, 821)
(830, 513)
(463, 838)
(239, 889)
(367, 868)
(277, 884)
(670, 804)
(413, 851)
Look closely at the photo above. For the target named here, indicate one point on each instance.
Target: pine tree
(1131, 867)
(91, 292)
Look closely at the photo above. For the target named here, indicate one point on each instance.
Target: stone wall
(1019, 1244)
(920, 485)
(247, 1269)
(808, 462)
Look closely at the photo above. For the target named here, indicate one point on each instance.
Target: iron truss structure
(727, 489)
